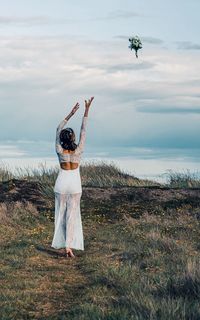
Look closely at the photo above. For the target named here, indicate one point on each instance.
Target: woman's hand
(87, 106)
(75, 108)
(88, 103)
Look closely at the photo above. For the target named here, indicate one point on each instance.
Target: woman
(68, 232)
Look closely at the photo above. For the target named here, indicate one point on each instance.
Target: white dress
(68, 231)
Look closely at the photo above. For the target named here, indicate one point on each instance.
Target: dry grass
(135, 266)
(185, 179)
(144, 268)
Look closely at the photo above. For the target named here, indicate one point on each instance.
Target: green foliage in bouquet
(135, 44)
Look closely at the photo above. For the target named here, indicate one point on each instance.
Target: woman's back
(68, 156)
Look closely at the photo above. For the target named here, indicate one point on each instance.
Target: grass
(146, 268)
(141, 257)
(94, 174)
(5, 173)
(101, 174)
(185, 179)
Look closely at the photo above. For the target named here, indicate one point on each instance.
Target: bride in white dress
(68, 231)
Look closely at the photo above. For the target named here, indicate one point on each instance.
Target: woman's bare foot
(69, 253)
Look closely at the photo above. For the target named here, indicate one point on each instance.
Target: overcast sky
(55, 53)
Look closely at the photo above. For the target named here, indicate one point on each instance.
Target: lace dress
(68, 231)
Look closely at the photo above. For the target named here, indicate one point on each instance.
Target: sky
(56, 53)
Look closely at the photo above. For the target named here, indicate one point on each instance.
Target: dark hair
(67, 138)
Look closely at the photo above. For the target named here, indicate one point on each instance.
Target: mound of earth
(111, 201)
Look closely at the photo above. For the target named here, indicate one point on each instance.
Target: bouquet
(136, 44)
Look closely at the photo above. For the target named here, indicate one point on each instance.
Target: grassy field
(141, 257)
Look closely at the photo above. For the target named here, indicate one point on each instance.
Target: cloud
(123, 67)
(178, 110)
(119, 14)
(47, 20)
(144, 39)
(152, 40)
(10, 151)
(160, 132)
(187, 45)
(27, 21)
(116, 15)
(41, 78)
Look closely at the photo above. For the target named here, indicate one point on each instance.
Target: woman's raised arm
(83, 126)
(61, 126)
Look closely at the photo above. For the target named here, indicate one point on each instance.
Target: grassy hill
(141, 257)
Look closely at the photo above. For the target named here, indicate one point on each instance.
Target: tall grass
(103, 174)
(99, 174)
(96, 174)
(185, 179)
(5, 173)
(44, 176)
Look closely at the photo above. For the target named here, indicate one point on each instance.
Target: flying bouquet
(135, 44)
